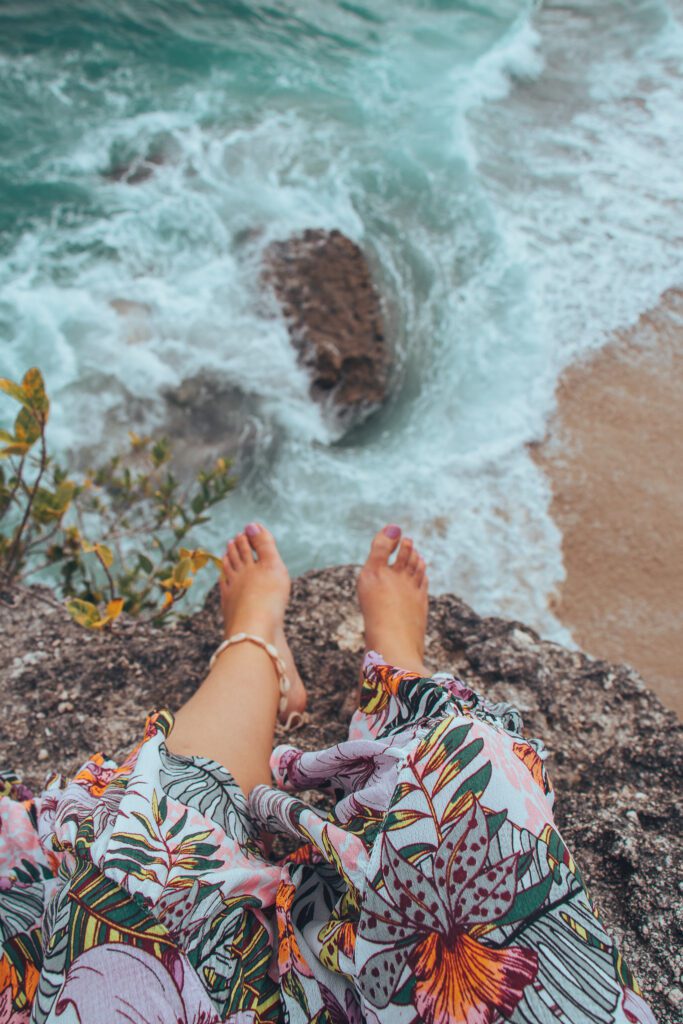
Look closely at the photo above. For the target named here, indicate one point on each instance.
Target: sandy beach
(614, 454)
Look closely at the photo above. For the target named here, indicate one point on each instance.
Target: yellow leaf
(13, 390)
(101, 550)
(85, 613)
(114, 608)
(182, 570)
(168, 599)
(105, 554)
(18, 448)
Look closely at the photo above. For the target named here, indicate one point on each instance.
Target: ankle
(258, 623)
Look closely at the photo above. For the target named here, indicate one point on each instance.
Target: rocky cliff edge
(616, 754)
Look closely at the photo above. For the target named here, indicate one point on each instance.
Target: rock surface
(323, 283)
(616, 752)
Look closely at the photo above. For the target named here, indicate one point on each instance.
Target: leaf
(6, 436)
(34, 389)
(401, 792)
(114, 608)
(196, 838)
(47, 506)
(101, 550)
(404, 995)
(179, 825)
(105, 554)
(15, 391)
(182, 570)
(441, 748)
(206, 787)
(133, 839)
(402, 818)
(472, 786)
(459, 762)
(415, 851)
(27, 428)
(85, 613)
(494, 822)
(145, 564)
(14, 449)
(145, 822)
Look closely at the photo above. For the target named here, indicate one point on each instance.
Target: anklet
(296, 718)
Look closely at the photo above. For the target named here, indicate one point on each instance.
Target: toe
(413, 562)
(243, 549)
(383, 544)
(404, 553)
(233, 556)
(420, 571)
(227, 568)
(261, 541)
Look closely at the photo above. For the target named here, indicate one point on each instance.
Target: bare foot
(255, 590)
(393, 599)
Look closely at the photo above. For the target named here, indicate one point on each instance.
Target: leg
(231, 718)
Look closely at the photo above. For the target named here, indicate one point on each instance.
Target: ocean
(511, 169)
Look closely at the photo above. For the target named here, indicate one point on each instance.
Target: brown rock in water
(333, 311)
(616, 752)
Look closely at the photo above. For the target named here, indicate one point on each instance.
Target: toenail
(252, 529)
(392, 531)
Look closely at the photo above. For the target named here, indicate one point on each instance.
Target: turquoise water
(512, 171)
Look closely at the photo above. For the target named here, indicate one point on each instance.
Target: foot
(255, 590)
(394, 600)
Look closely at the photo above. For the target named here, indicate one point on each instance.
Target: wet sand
(614, 455)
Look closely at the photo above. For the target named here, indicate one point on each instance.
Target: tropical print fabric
(437, 890)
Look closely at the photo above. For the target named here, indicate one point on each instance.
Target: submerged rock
(333, 311)
(616, 754)
(206, 417)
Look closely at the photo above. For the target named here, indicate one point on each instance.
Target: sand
(614, 455)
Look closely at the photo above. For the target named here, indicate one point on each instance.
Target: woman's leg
(231, 718)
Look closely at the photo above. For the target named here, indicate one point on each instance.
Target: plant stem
(13, 556)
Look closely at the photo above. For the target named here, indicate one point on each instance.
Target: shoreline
(614, 455)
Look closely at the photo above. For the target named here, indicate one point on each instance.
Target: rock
(207, 417)
(675, 996)
(612, 750)
(323, 283)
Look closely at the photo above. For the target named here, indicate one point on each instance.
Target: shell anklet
(295, 719)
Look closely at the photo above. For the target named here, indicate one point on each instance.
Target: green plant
(133, 502)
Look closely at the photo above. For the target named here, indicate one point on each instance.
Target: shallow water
(512, 171)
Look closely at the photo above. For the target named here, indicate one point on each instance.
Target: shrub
(133, 503)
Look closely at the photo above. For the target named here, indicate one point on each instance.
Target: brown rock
(616, 752)
(333, 311)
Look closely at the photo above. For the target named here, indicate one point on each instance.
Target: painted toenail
(252, 529)
(392, 531)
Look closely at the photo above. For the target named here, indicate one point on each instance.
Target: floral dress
(438, 890)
